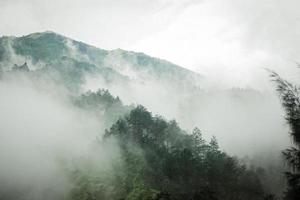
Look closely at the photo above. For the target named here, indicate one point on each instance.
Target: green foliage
(289, 94)
(103, 104)
(47, 47)
(162, 161)
(87, 188)
(141, 192)
(290, 98)
(100, 99)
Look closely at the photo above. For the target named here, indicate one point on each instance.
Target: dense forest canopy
(161, 161)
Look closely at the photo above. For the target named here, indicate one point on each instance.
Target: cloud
(231, 41)
(42, 135)
(104, 23)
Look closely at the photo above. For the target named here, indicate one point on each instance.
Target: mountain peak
(39, 34)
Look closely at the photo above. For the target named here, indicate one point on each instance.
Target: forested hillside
(120, 125)
(158, 160)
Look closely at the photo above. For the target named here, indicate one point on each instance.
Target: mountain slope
(48, 49)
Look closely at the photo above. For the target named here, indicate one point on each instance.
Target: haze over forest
(115, 106)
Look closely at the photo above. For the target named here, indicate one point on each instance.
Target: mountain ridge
(51, 50)
(36, 35)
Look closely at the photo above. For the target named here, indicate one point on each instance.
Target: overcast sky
(230, 41)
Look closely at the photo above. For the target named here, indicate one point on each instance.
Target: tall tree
(290, 98)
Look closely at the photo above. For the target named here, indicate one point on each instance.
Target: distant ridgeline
(72, 61)
(159, 160)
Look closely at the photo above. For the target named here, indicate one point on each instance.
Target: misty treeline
(160, 161)
(147, 157)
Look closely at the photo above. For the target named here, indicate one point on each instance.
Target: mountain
(73, 61)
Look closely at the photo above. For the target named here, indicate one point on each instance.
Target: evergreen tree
(161, 161)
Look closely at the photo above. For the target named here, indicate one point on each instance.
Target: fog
(229, 41)
(248, 123)
(245, 121)
(43, 136)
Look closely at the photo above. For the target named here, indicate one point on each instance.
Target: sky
(231, 41)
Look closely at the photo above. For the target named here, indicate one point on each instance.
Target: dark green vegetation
(160, 161)
(102, 104)
(290, 96)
